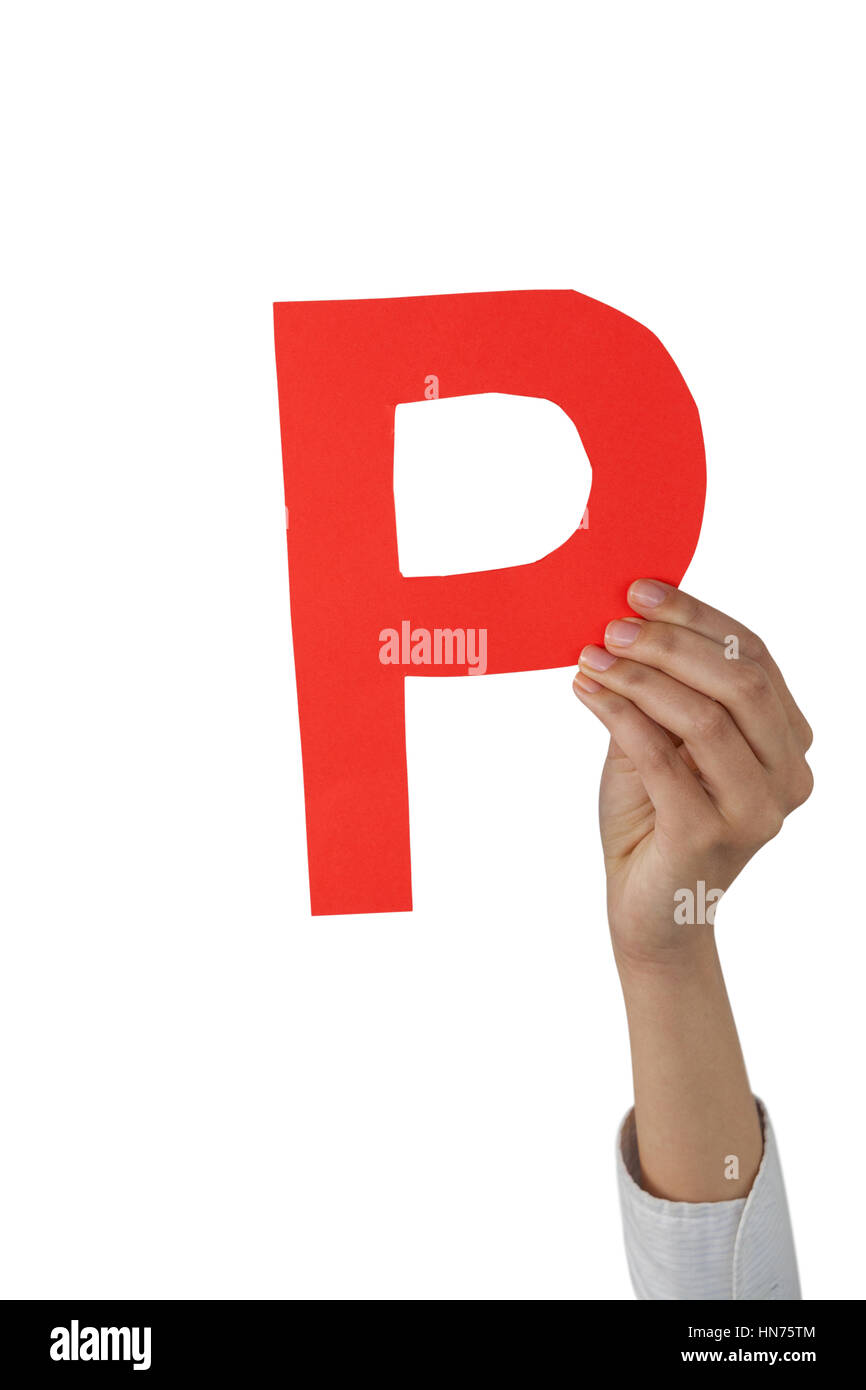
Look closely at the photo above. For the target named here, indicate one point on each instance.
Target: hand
(706, 759)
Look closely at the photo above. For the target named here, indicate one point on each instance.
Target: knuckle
(661, 755)
(770, 822)
(710, 721)
(751, 680)
(766, 819)
(632, 674)
(618, 707)
(802, 785)
(661, 638)
(752, 647)
(691, 609)
(756, 825)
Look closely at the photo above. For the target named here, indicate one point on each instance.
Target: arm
(694, 1109)
(706, 759)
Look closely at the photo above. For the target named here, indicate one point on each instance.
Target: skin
(706, 759)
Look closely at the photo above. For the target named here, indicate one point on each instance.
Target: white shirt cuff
(741, 1249)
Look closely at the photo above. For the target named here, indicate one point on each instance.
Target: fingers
(743, 686)
(658, 602)
(674, 791)
(741, 730)
(733, 776)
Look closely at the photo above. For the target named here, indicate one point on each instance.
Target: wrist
(642, 963)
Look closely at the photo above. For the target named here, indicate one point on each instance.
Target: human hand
(706, 759)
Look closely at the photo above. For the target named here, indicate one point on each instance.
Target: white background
(204, 1091)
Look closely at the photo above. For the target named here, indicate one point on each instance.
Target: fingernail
(622, 632)
(596, 658)
(586, 683)
(647, 593)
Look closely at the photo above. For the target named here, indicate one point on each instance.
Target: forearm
(695, 1115)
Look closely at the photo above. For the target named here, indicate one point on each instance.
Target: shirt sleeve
(741, 1249)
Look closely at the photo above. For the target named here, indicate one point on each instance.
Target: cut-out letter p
(343, 366)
